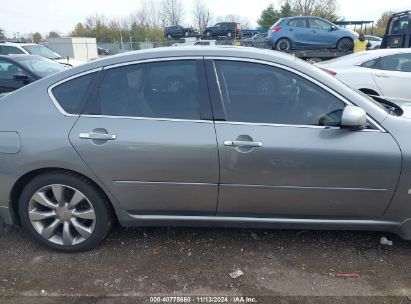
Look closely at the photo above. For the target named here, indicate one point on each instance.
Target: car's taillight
(332, 73)
(276, 29)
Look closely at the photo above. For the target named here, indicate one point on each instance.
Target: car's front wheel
(283, 45)
(64, 211)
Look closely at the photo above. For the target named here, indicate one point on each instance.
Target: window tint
(71, 94)
(297, 23)
(319, 24)
(264, 94)
(399, 24)
(398, 63)
(8, 70)
(6, 50)
(160, 90)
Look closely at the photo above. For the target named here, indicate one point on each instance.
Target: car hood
(71, 61)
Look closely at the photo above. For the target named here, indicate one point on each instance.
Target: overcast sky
(27, 16)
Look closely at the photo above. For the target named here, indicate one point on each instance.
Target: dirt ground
(279, 266)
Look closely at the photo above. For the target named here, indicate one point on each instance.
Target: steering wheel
(174, 84)
(270, 85)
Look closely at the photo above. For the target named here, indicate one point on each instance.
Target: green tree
(37, 37)
(53, 34)
(286, 10)
(268, 17)
(382, 23)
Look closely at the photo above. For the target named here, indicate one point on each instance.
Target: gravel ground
(133, 264)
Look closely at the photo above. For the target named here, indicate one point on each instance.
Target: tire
(345, 45)
(283, 45)
(67, 228)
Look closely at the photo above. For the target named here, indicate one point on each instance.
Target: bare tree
(244, 22)
(201, 14)
(171, 12)
(146, 17)
(323, 8)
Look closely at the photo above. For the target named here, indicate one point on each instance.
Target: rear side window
(167, 89)
(297, 23)
(71, 94)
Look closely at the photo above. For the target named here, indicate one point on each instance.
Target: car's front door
(146, 136)
(392, 75)
(322, 33)
(283, 154)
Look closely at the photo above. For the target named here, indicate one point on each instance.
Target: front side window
(8, 70)
(258, 93)
(71, 94)
(167, 89)
(319, 24)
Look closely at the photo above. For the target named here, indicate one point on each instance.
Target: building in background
(79, 48)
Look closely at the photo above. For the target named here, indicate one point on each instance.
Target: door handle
(101, 136)
(382, 75)
(243, 143)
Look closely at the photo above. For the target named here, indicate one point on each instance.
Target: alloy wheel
(61, 214)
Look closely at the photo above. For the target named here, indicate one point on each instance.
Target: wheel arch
(27, 177)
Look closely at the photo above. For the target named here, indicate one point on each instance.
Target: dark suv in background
(178, 31)
(398, 32)
(226, 29)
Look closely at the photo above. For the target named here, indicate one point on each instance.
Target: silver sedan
(211, 136)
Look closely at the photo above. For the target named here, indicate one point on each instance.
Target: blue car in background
(309, 33)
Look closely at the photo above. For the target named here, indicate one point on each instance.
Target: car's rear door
(283, 154)
(149, 136)
(299, 32)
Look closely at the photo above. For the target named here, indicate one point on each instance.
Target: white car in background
(374, 41)
(384, 72)
(11, 48)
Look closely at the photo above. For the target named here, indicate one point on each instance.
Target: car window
(397, 62)
(8, 70)
(167, 89)
(42, 66)
(298, 23)
(319, 24)
(71, 94)
(371, 64)
(259, 93)
(41, 50)
(7, 50)
(399, 24)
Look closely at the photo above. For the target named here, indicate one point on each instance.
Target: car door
(148, 135)
(392, 75)
(322, 34)
(299, 32)
(8, 73)
(283, 154)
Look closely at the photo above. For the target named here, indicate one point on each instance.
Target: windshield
(41, 50)
(42, 67)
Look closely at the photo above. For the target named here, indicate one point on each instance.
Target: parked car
(178, 31)
(17, 71)
(223, 29)
(103, 51)
(274, 140)
(374, 41)
(10, 48)
(398, 31)
(309, 33)
(384, 72)
(258, 41)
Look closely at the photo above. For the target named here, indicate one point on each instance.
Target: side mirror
(353, 117)
(20, 76)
